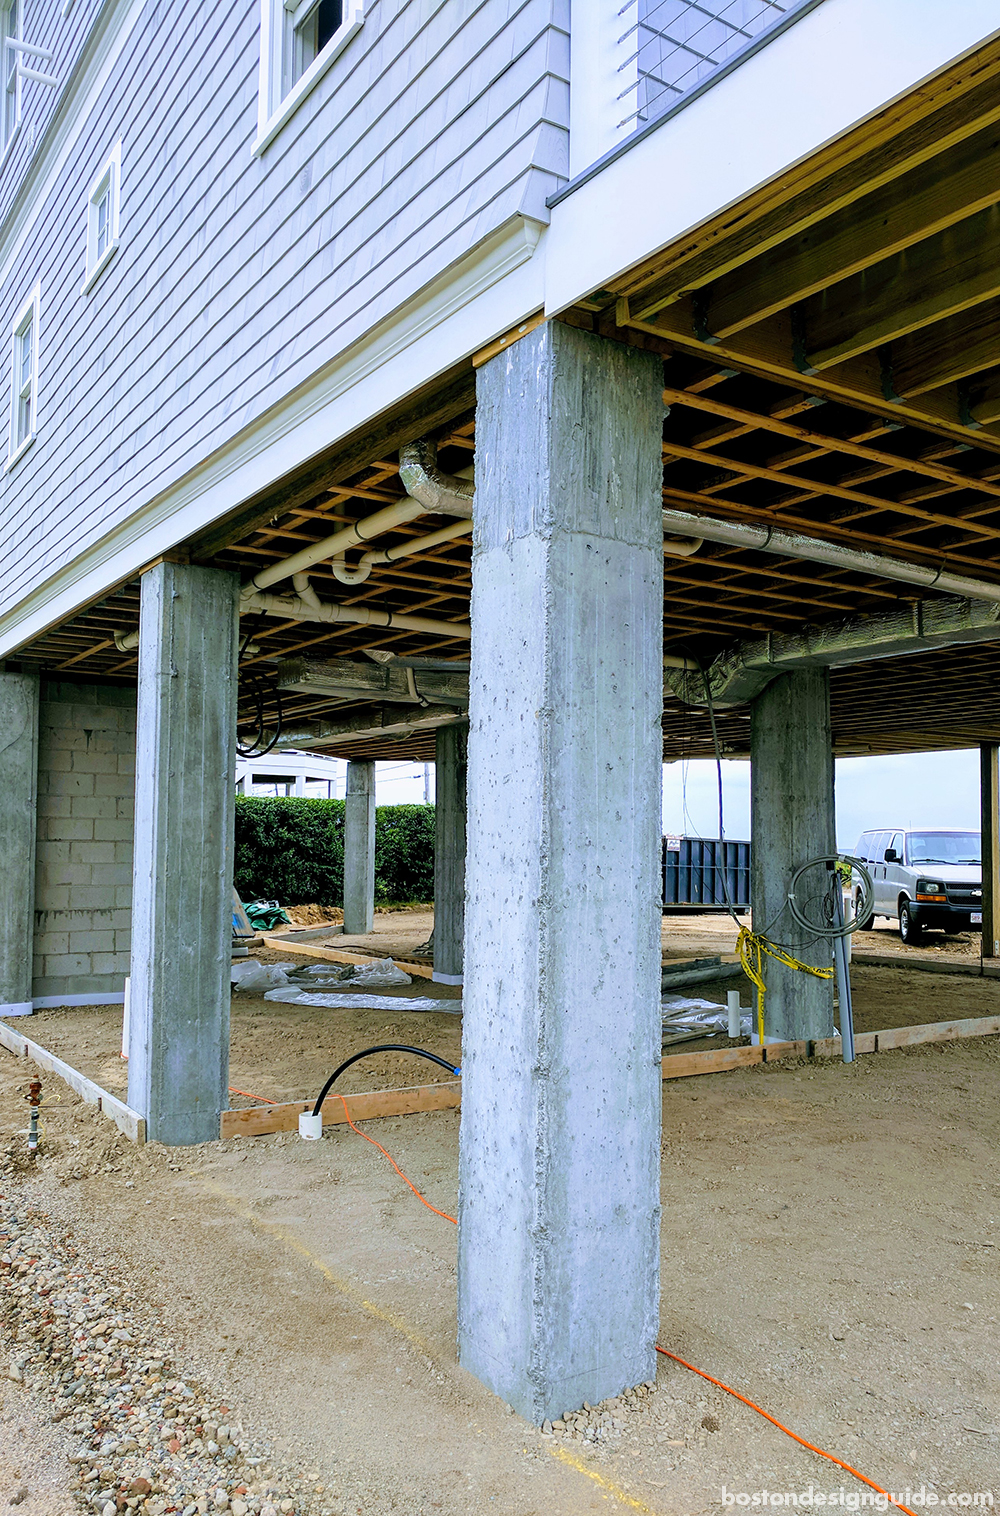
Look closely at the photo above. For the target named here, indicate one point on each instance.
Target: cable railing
(673, 45)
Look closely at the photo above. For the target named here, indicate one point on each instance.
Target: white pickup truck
(924, 879)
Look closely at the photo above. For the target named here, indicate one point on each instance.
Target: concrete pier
(359, 849)
(451, 760)
(792, 821)
(183, 868)
(18, 810)
(560, 1137)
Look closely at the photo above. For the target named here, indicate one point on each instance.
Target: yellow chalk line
(606, 1484)
(396, 1322)
(342, 1285)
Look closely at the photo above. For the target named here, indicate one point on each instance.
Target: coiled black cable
(387, 1047)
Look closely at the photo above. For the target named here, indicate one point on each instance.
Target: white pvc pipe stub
(310, 1126)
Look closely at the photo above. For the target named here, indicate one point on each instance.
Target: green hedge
(292, 850)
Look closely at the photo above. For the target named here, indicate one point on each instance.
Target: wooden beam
(372, 1105)
(943, 354)
(929, 199)
(956, 104)
(427, 411)
(953, 272)
(989, 771)
(344, 679)
(371, 721)
(984, 400)
(767, 351)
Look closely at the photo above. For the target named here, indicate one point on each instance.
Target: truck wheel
(909, 928)
(869, 921)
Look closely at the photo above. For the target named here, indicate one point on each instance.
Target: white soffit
(839, 63)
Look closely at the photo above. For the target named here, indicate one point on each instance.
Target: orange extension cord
(399, 1171)
(682, 1361)
(794, 1435)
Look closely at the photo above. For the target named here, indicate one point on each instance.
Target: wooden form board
(258, 1120)
(125, 1119)
(335, 955)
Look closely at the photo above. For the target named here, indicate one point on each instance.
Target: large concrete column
(451, 745)
(183, 868)
(359, 849)
(989, 770)
(18, 809)
(560, 1137)
(792, 821)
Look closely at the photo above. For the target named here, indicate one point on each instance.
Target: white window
(299, 39)
(10, 31)
(24, 377)
(103, 202)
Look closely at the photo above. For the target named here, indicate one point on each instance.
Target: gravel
(151, 1438)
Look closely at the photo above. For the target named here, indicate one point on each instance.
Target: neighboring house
(274, 277)
(291, 773)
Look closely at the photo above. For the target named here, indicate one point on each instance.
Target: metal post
(841, 963)
(990, 804)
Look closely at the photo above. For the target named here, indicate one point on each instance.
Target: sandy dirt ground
(400, 931)
(829, 1250)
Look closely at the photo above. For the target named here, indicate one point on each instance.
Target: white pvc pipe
(309, 607)
(329, 547)
(361, 570)
(766, 539)
(427, 490)
(681, 547)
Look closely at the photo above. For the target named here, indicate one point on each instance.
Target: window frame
(106, 183)
(274, 108)
(27, 319)
(6, 138)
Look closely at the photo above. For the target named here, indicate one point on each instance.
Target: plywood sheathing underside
(831, 356)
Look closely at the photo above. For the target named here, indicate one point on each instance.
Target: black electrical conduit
(387, 1047)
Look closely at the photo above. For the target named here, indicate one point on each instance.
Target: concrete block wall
(83, 879)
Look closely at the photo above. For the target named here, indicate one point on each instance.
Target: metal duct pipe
(439, 494)
(427, 490)
(738, 675)
(766, 539)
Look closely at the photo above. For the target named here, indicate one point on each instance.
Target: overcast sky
(912, 791)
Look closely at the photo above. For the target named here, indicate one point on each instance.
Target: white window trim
(29, 312)
(110, 175)
(272, 113)
(18, 88)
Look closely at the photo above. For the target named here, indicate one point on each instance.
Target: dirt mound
(313, 915)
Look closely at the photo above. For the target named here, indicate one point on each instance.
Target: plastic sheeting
(344, 1001)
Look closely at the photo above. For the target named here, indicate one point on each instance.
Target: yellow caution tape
(752, 948)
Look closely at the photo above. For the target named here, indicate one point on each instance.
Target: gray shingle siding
(238, 279)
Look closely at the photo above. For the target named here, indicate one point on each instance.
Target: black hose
(388, 1047)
